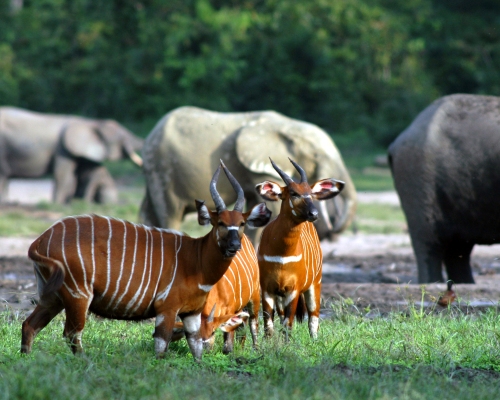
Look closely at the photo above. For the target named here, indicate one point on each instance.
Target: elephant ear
(81, 139)
(255, 144)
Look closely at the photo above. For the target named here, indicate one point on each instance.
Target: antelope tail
(301, 309)
(54, 266)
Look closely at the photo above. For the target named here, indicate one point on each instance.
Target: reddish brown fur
(290, 256)
(239, 289)
(199, 261)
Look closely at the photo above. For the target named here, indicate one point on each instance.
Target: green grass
(380, 218)
(409, 356)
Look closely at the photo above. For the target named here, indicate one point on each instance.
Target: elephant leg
(4, 189)
(147, 214)
(457, 261)
(65, 179)
(429, 257)
(95, 184)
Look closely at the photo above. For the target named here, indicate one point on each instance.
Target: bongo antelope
(121, 270)
(233, 301)
(289, 255)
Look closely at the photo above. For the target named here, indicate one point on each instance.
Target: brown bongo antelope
(289, 255)
(121, 270)
(229, 300)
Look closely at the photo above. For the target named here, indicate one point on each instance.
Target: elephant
(446, 171)
(71, 148)
(188, 143)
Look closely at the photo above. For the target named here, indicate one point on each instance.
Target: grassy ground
(404, 356)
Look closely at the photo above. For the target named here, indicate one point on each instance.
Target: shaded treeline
(346, 65)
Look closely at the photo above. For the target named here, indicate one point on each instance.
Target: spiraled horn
(240, 201)
(211, 315)
(303, 176)
(219, 203)
(283, 175)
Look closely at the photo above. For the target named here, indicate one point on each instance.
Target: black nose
(312, 215)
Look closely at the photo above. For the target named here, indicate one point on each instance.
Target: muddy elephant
(188, 142)
(69, 147)
(446, 170)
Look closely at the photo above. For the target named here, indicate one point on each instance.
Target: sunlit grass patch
(380, 218)
(354, 357)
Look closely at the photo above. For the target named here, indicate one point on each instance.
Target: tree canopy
(346, 65)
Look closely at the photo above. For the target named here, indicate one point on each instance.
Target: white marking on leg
(283, 260)
(310, 299)
(290, 297)
(268, 299)
(160, 345)
(159, 320)
(313, 326)
(192, 323)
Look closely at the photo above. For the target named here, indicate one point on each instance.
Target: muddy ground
(370, 274)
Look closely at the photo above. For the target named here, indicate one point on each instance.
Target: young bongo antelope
(289, 255)
(121, 270)
(233, 300)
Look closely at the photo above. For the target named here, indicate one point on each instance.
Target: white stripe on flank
(232, 287)
(79, 294)
(92, 252)
(283, 260)
(145, 290)
(108, 258)
(131, 277)
(144, 268)
(164, 293)
(124, 250)
(78, 249)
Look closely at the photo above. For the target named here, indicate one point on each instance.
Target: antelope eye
(222, 224)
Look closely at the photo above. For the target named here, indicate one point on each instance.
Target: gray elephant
(69, 147)
(187, 143)
(446, 169)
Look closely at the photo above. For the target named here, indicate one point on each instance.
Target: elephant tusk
(326, 217)
(136, 158)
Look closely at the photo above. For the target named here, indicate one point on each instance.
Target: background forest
(358, 67)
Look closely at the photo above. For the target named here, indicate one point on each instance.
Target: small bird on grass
(448, 297)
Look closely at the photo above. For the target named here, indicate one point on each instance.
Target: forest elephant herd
(444, 166)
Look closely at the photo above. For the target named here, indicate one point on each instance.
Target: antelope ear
(203, 213)
(235, 321)
(258, 216)
(269, 190)
(327, 188)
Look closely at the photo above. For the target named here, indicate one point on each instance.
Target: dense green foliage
(406, 356)
(347, 65)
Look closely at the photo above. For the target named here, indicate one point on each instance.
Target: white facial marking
(294, 213)
(205, 288)
(307, 196)
(291, 204)
(283, 260)
(232, 228)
